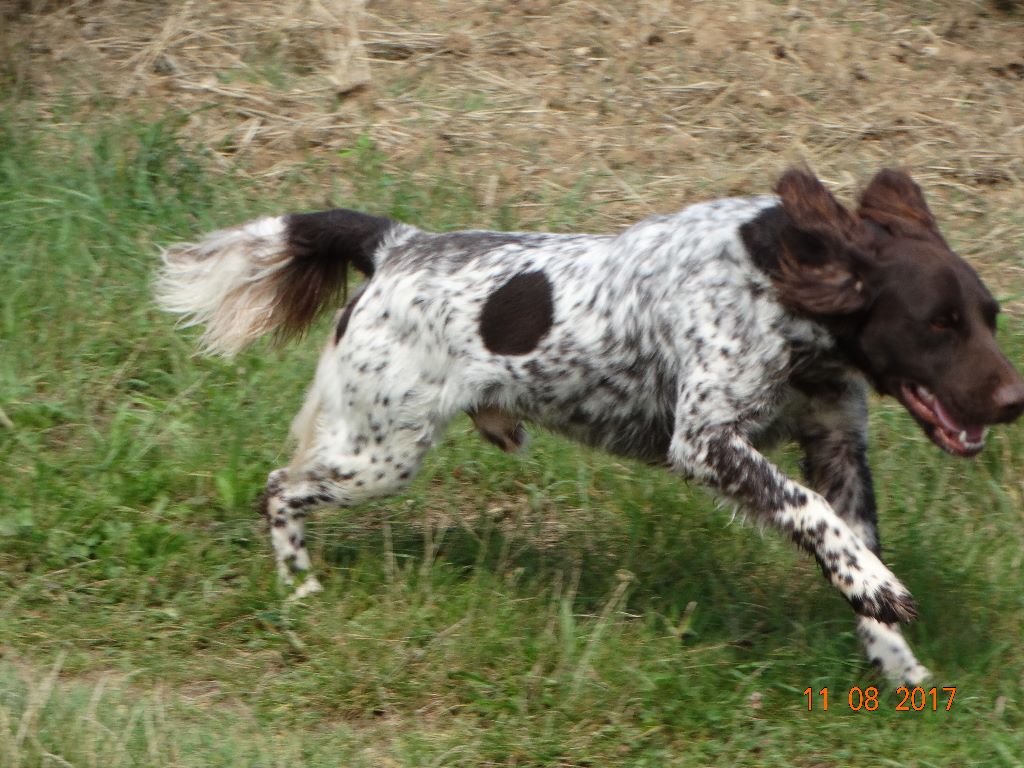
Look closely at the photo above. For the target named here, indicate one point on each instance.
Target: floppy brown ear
(811, 207)
(818, 269)
(894, 202)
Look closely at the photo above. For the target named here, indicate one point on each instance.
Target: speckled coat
(674, 342)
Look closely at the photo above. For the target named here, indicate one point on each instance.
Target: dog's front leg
(724, 459)
(832, 432)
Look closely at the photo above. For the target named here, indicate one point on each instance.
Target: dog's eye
(946, 321)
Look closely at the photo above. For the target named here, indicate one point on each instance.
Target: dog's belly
(637, 435)
(601, 414)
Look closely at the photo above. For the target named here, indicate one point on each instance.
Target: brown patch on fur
(518, 314)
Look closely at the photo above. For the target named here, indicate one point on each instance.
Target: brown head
(909, 312)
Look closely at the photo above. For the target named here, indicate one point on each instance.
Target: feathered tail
(272, 274)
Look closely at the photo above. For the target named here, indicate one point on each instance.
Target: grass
(565, 608)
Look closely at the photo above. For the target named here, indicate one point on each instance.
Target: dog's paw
(914, 674)
(308, 587)
(890, 653)
(890, 604)
(865, 581)
(869, 586)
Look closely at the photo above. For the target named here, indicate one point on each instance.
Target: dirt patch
(631, 106)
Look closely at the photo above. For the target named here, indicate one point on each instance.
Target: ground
(559, 609)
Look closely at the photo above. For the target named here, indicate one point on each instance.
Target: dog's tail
(272, 274)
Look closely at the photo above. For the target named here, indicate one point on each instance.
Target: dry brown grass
(648, 104)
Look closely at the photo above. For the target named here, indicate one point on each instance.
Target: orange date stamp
(859, 699)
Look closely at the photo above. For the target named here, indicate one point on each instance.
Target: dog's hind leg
(342, 476)
(368, 454)
(285, 511)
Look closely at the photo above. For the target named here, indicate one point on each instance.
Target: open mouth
(943, 429)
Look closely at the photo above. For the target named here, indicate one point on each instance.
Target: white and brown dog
(688, 340)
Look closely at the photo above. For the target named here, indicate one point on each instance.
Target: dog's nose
(1009, 400)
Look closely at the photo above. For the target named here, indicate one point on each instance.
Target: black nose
(1009, 400)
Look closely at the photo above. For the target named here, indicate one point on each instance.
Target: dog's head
(910, 313)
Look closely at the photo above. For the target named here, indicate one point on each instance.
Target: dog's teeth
(924, 394)
(963, 437)
(981, 440)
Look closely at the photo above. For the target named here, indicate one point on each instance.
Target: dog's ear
(811, 207)
(819, 269)
(894, 202)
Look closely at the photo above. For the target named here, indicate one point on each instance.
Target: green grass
(565, 608)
